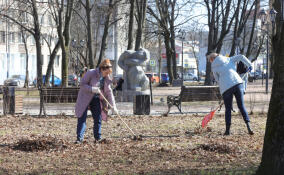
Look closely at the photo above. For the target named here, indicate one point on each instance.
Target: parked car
(153, 77)
(255, 75)
(57, 81)
(15, 80)
(72, 80)
(164, 78)
(190, 76)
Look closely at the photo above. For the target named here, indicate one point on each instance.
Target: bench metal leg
(179, 107)
(169, 109)
(174, 101)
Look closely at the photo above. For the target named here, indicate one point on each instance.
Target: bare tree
(88, 8)
(193, 37)
(245, 10)
(33, 27)
(140, 17)
(219, 23)
(163, 24)
(107, 23)
(272, 161)
(166, 13)
(63, 29)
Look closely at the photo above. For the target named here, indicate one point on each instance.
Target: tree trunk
(169, 56)
(248, 53)
(51, 62)
(90, 35)
(141, 10)
(105, 35)
(272, 161)
(173, 54)
(27, 57)
(37, 35)
(130, 26)
(160, 56)
(65, 39)
(172, 39)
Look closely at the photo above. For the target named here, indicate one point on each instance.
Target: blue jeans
(95, 108)
(237, 91)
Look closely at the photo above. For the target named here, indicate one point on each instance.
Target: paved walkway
(256, 100)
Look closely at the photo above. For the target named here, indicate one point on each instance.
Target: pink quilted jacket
(85, 95)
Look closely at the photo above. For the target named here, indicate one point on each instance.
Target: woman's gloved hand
(249, 69)
(96, 90)
(114, 110)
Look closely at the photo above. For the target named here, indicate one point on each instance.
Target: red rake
(209, 116)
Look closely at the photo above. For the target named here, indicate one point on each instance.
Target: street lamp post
(78, 47)
(7, 38)
(264, 21)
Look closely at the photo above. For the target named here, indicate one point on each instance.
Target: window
(57, 61)
(12, 37)
(2, 37)
(20, 38)
(3, 62)
(55, 40)
(32, 40)
(49, 39)
(42, 39)
(23, 17)
(41, 17)
(50, 20)
(23, 61)
(42, 59)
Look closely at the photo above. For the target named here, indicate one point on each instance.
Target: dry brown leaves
(170, 145)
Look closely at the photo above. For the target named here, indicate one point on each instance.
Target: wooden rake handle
(117, 113)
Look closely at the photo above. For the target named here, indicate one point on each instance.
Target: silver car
(15, 80)
(190, 76)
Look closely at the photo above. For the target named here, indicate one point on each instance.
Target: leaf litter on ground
(46, 145)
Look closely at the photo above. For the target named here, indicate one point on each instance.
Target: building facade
(13, 55)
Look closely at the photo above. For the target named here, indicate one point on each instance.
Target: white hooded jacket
(224, 71)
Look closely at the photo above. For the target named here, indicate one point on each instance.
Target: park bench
(193, 93)
(60, 94)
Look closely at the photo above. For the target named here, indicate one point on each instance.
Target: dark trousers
(95, 108)
(237, 91)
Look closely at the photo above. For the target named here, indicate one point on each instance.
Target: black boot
(249, 130)
(227, 132)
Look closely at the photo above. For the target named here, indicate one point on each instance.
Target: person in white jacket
(230, 84)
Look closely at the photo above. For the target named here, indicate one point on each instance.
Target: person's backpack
(241, 68)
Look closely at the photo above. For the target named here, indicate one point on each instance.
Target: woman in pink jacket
(94, 82)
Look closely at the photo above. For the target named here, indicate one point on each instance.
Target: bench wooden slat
(199, 93)
(60, 95)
